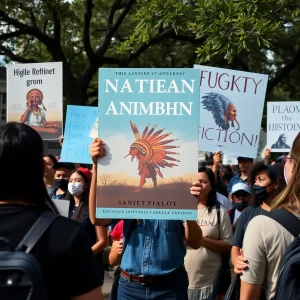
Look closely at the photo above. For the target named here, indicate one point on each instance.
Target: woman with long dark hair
(266, 182)
(78, 195)
(203, 264)
(64, 253)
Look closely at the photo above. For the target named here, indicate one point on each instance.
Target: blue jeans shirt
(155, 247)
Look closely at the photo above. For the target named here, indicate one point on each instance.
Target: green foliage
(253, 35)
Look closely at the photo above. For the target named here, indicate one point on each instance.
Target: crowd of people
(156, 259)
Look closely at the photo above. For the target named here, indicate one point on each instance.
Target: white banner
(231, 108)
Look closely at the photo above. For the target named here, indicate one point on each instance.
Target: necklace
(37, 114)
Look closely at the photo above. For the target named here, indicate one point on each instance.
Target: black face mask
(260, 192)
(240, 205)
(62, 184)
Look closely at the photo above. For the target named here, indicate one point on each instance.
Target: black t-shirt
(64, 251)
(246, 216)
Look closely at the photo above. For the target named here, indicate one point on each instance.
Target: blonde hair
(289, 198)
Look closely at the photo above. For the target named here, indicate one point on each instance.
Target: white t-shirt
(264, 245)
(202, 265)
(226, 203)
(236, 215)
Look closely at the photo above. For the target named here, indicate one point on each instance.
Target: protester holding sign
(163, 278)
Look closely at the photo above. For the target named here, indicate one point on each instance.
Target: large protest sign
(149, 121)
(283, 125)
(34, 97)
(231, 107)
(79, 123)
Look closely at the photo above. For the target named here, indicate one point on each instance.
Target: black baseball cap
(245, 158)
(67, 165)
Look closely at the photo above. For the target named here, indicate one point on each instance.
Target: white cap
(240, 187)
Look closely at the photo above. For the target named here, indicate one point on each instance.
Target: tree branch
(57, 33)
(110, 32)
(9, 35)
(86, 29)
(116, 5)
(284, 72)
(168, 33)
(15, 57)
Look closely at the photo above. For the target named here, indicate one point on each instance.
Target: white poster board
(63, 207)
(283, 124)
(230, 160)
(35, 98)
(231, 108)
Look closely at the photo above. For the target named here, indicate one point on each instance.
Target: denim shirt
(155, 247)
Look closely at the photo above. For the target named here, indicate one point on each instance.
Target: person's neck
(77, 200)
(267, 203)
(244, 175)
(202, 202)
(34, 108)
(49, 182)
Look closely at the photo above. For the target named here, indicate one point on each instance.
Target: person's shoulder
(221, 197)
(64, 232)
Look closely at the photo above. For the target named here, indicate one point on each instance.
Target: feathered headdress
(154, 148)
(217, 104)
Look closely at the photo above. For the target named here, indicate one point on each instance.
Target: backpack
(20, 274)
(288, 281)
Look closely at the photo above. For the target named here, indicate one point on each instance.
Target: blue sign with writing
(79, 123)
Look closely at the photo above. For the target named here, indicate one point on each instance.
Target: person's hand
(52, 130)
(97, 150)
(60, 140)
(240, 263)
(267, 153)
(120, 247)
(196, 188)
(217, 158)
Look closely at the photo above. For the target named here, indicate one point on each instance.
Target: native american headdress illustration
(219, 106)
(152, 148)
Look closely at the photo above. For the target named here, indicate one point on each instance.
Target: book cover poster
(282, 125)
(34, 97)
(231, 108)
(149, 120)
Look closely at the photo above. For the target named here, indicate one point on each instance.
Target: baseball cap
(67, 165)
(240, 187)
(244, 158)
(86, 172)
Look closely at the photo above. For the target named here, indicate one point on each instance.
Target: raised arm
(97, 150)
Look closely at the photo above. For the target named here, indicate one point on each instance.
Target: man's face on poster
(283, 139)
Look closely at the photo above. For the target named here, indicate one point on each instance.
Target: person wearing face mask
(78, 195)
(62, 174)
(264, 246)
(266, 183)
(240, 195)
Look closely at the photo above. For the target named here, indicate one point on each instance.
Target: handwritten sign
(79, 123)
(230, 160)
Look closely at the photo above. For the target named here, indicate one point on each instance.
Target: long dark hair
(275, 173)
(21, 149)
(84, 201)
(212, 195)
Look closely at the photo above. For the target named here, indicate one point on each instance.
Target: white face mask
(75, 188)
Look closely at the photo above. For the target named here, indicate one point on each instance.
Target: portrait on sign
(34, 97)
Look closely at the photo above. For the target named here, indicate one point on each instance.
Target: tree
(259, 36)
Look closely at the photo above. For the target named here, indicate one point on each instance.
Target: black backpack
(20, 273)
(288, 282)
